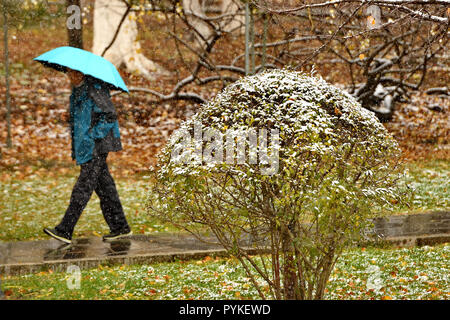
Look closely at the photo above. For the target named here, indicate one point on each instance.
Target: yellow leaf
(187, 290)
(371, 20)
(386, 298)
(361, 56)
(207, 258)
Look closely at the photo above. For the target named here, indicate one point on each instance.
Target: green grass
(430, 182)
(27, 205)
(414, 273)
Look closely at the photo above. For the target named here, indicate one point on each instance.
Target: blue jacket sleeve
(102, 99)
(104, 112)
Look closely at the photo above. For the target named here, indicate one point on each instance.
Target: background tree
(386, 48)
(74, 28)
(116, 38)
(381, 59)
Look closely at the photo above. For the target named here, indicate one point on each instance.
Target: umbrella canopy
(85, 62)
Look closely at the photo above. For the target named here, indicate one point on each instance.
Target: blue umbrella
(85, 62)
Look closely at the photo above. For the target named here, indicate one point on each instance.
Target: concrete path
(33, 256)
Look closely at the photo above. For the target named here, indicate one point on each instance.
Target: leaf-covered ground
(361, 273)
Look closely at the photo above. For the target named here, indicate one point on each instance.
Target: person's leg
(110, 202)
(81, 193)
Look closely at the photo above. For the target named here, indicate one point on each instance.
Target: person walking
(95, 132)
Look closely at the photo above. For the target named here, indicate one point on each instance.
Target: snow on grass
(361, 273)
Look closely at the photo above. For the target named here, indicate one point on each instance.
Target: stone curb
(88, 263)
(419, 241)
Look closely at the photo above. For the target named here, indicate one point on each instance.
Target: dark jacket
(93, 121)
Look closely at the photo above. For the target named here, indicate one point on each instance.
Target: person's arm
(104, 113)
(70, 121)
(102, 99)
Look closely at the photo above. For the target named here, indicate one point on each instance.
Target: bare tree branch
(127, 11)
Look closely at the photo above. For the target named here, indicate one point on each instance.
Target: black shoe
(117, 235)
(58, 235)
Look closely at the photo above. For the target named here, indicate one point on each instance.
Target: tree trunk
(236, 22)
(75, 35)
(194, 8)
(121, 44)
(290, 284)
(8, 99)
(247, 39)
(264, 49)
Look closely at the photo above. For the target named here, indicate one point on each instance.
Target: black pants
(94, 176)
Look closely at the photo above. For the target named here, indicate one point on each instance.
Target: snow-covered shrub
(335, 164)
